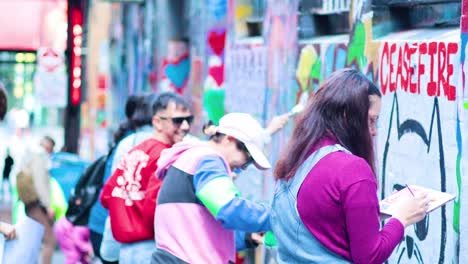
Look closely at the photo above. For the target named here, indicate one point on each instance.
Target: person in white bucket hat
(198, 203)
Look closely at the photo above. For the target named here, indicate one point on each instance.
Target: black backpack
(86, 192)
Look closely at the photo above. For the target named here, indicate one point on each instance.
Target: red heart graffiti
(217, 72)
(216, 41)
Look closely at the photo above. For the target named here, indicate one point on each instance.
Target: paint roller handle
(411, 210)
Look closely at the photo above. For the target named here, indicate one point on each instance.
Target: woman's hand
(8, 230)
(412, 209)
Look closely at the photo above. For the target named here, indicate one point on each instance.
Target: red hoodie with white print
(130, 193)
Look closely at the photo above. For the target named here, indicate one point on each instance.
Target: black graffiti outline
(413, 126)
(410, 245)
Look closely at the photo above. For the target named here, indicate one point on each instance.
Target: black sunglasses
(241, 146)
(177, 121)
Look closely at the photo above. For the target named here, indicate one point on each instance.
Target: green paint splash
(357, 46)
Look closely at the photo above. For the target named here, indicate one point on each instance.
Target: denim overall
(295, 242)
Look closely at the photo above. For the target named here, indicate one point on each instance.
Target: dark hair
(209, 130)
(163, 100)
(143, 113)
(339, 108)
(183, 39)
(3, 101)
(138, 112)
(373, 90)
(131, 104)
(50, 140)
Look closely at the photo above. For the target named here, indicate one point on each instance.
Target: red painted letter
(412, 85)
(432, 89)
(421, 70)
(384, 79)
(442, 55)
(450, 90)
(392, 84)
(399, 77)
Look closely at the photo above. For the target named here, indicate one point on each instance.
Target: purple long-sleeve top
(338, 204)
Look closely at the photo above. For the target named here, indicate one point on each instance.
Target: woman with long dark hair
(325, 208)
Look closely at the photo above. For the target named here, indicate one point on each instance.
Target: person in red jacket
(130, 194)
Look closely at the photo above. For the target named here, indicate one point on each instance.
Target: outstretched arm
(217, 192)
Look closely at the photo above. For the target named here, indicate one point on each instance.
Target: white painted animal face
(413, 147)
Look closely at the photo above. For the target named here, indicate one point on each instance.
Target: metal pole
(72, 110)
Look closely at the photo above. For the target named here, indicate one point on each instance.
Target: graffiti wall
(245, 79)
(422, 75)
(215, 39)
(420, 127)
(463, 107)
(419, 140)
(245, 64)
(281, 39)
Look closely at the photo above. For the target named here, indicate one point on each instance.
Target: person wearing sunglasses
(200, 213)
(130, 193)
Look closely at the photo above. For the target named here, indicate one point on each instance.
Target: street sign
(50, 79)
(49, 60)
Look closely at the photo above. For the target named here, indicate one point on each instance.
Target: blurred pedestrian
(33, 186)
(48, 144)
(7, 166)
(74, 241)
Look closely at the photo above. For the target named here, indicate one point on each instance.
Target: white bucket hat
(246, 129)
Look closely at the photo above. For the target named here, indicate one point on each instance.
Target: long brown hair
(340, 107)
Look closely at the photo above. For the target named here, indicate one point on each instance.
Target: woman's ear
(230, 138)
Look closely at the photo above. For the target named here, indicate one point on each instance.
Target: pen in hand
(409, 190)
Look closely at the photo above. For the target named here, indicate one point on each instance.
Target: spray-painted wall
(422, 74)
(420, 137)
(421, 124)
(463, 88)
